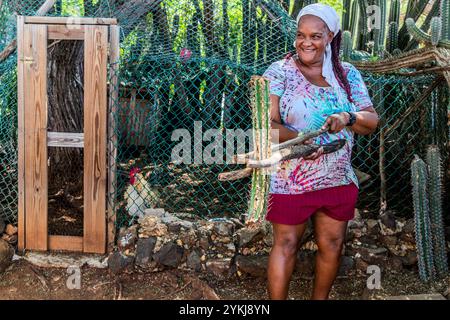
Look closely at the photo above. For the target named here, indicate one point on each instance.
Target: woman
(309, 90)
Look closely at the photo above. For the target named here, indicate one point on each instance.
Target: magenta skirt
(337, 202)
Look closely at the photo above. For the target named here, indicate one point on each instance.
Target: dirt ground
(25, 281)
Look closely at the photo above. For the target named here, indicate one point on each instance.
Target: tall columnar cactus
(394, 12)
(260, 104)
(392, 40)
(441, 39)
(444, 12)
(353, 17)
(436, 30)
(435, 192)
(421, 36)
(380, 36)
(347, 45)
(346, 15)
(424, 242)
(362, 38)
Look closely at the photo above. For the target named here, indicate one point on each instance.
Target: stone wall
(226, 247)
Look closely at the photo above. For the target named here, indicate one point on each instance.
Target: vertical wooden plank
(95, 135)
(20, 135)
(112, 135)
(35, 141)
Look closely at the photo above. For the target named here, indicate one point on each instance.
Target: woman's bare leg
(329, 234)
(282, 258)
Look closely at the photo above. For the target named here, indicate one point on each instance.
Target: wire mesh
(185, 65)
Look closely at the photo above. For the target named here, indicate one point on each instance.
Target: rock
(388, 219)
(305, 263)
(144, 250)
(219, 267)
(223, 228)
(368, 240)
(170, 255)
(174, 224)
(117, 262)
(395, 264)
(387, 240)
(12, 240)
(371, 223)
(6, 254)
(151, 226)
(10, 230)
(255, 265)
(409, 226)
(158, 212)
(418, 297)
(250, 234)
(127, 238)
(410, 259)
(361, 265)
(194, 261)
(347, 264)
(2, 225)
(408, 237)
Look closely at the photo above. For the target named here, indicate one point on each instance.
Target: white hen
(139, 195)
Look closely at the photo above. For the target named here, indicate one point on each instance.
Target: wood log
(243, 158)
(295, 152)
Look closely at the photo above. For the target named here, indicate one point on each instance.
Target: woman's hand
(315, 155)
(336, 122)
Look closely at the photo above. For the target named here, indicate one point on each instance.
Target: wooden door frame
(101, 37)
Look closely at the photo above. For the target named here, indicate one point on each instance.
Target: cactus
(422, 219)
(435, 191)
(436, 30)
(394, 12)
(396, 52)
(421, 36)
(379, 39)
(346, 14)
(260, 103)
(347, 45)
(362, 37)
(392, 41)
(353, 17)
(444, 11)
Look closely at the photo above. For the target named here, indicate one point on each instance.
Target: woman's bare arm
(366, 121)
(279, 132)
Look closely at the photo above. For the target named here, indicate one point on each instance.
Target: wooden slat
(63, 32)
(21, 135)
(95, 99)
(65, 139)
(70, 20)
(67, 243)
(112, 136)
(35, 142)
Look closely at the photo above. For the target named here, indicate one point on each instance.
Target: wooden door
(34, 139)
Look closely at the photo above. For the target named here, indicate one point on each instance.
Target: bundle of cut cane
(265, 155)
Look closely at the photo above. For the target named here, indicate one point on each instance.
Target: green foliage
(435, 191)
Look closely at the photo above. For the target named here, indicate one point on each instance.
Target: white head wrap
(331, 18)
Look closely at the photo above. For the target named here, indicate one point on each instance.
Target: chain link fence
(186, 64)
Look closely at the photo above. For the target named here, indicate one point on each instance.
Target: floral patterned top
(304, 107)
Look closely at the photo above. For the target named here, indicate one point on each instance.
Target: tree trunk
(65, 104)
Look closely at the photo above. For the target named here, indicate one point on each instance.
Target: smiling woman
(311, 90)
